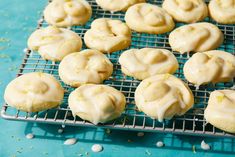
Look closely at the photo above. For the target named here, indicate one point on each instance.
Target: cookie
(211, 66)
(108, 35)
(54, 43)
(87, 66)
(149, 18)
(220, 111)
(188, 11)
(163, 96)
(66, 13)
(222, 11)
(117, 5)
(196, 37)
(97, 103)
(34, 92)
(146, 62)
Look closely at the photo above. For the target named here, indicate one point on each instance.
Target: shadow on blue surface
(130, 138)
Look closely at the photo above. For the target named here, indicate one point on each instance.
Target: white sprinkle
(96, 148)
(26, 50)
(29, 136)
(40, 20)
(53, 62)
(188, 56)
(70, 141)
(197, 87)
(60, 131)
(63, 126)
(140, 134)
(233, 87)
(159, 144)
(205, 146)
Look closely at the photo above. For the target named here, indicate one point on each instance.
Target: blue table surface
(18, 19)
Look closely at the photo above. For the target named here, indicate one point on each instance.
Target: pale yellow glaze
(211, 66)
(222, 11)
(149, 18)
(97, 103)
(87, 66)
(66, 13)
(117, 5)
(54, 43)
(107, 35)
(220, 110)
(163, 96)
(146, 62)
(196, 37)
(188, 11)
(33, 92)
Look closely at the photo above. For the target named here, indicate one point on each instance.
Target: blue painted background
(18, 19)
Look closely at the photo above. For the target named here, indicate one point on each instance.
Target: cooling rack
(192, 123)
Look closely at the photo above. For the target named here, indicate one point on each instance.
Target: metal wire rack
(192, 123)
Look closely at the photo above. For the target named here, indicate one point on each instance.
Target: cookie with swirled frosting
(220, 111)
(222, 11)
(66, 13)
(211, 66)
(54, 43)
(163, 96)
(117, 5)
(97, 103)
(149, 18)
(108, 35)
(196, 37)
(87, 66)
(33, 92)
(188, 11)
(146, 62)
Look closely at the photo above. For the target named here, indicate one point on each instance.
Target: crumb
(147, 152)
(205, 146)
(159, 144)
(194, 149)
(129, 141)
(108, 131)
(140, 134)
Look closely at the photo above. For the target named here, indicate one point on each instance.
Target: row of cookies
(109, 35)
(33, 92)
(65, 13)
(69, 45)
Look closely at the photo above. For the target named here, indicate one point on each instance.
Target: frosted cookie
(147, 62)
(117, 5)
(33, 92)
(66, 13)
(148, 18)
(54, 43)
(211, 66)
(163, 96)
(222, 11)
(188, 11)
(196, 37)
(107, 35)
(87, 66)
(220, 111)
(97, 103)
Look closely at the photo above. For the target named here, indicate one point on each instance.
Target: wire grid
(192, 123)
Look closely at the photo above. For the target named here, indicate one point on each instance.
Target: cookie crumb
(97, 148)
